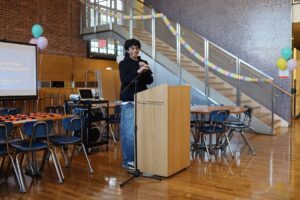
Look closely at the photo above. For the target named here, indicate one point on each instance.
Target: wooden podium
(163, 130)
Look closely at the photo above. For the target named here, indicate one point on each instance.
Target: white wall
(296, 13)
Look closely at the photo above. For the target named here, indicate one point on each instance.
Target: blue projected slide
(17, 70)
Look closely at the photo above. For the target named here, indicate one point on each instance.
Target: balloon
(33, 41)
(37, 30)
(286, 53)
(42, 42)
(281, 63)
(292, 64)
(119, 58)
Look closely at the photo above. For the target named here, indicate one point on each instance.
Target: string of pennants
(181, 40)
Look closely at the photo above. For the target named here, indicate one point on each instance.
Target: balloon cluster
(40, 41)
(285, 62)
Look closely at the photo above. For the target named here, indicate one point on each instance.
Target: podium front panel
(163, 130)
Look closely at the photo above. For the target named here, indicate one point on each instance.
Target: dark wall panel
(253, 30)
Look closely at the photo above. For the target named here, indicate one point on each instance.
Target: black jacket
(128, 72)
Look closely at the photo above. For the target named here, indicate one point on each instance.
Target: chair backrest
(13, 111)
(50, 124)
(35, 129)
(218, 118)
(5, 130)
(72, 124)
(248, 115)
(4, 111)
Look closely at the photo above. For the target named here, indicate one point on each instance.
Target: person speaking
(133, 70)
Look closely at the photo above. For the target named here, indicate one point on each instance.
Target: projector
(75, 97)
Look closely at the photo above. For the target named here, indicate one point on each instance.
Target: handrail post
(273, 103)
(95, 16)
(178, 54)
(238, 92)
(153, 35)
(131, 23)
(153, 53)
(111, 17)
(206, 55)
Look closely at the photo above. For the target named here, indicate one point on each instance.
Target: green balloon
(37, 30)
(286, 53)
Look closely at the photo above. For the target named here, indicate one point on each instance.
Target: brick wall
(60, 20)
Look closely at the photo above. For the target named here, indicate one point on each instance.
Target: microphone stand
(136, 172)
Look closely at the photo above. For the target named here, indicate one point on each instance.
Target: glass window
(100, 19)
(103, 19)
(119, 48)
(111, 46)
(105, 48)
(92, 18)
(120, 5)
(94, 46)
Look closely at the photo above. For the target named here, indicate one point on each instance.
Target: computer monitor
(85, 94)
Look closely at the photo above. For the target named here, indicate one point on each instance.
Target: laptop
(86, 94)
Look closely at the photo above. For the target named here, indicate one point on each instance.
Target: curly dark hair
(131, 42)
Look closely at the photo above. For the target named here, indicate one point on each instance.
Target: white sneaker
(129, 166)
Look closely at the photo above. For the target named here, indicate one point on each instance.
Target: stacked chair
(72, 136)
(215, 126)
(36, 139)
(6, 151)
(240, 127)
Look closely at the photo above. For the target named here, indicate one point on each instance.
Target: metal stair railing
(211, 52)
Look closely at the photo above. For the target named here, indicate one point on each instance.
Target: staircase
(221, 89)
(262, 114)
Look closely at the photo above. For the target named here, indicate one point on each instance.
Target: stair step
(163, 49)
(276, 123)
(174, 55)
(225, 89)
(143, 37)
(160, 44)
(193, 68)
(263, 115)
(246, 102)
(183, 62)
(213, 82)
(141, 33)
(201, 76)
(256, 107)
(230, 95)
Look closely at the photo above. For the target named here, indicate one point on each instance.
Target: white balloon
(119, 58)
(42, 42)
(292, 64)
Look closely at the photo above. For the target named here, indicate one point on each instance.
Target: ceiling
(296, 35)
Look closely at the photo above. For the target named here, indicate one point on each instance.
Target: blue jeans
(127, 132)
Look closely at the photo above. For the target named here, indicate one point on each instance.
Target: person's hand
(143, 67)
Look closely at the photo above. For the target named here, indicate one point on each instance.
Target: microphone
(142, 63)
